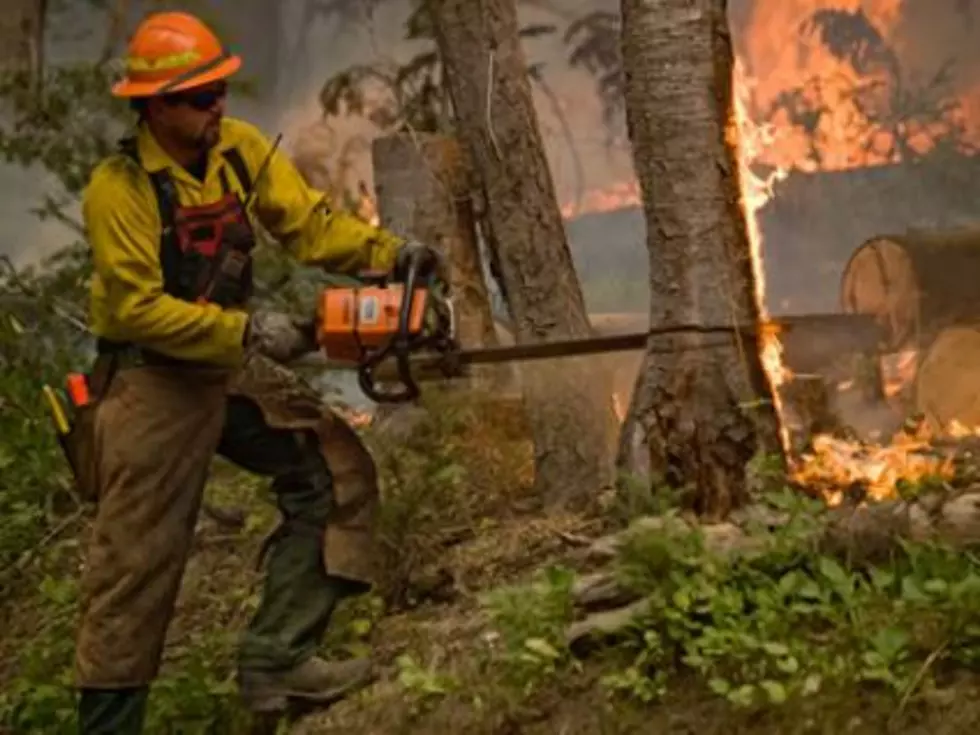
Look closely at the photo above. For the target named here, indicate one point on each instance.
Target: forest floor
(469, 624)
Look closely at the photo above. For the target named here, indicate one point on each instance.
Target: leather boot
(313, 682)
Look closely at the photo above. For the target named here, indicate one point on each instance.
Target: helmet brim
(127, 88)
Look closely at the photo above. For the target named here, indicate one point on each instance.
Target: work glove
(430, 262)
(279, 336)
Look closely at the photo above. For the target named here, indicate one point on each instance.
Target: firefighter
(184, 371)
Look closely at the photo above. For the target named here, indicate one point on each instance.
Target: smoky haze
(293, 66)
(810, 228)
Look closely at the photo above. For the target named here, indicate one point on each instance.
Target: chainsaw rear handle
(401, 343)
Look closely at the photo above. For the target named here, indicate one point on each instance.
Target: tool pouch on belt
(80, 444)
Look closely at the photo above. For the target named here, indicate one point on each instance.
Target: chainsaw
(401, 333)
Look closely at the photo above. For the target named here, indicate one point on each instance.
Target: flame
(898, 371)
(835, 465)
(748, 140)
(801, 107)
(621, 195)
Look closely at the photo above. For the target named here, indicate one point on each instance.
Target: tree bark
(570, 410)
(22, 35)
(423, 192)
(703, 411)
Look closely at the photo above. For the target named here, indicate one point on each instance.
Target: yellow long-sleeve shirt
(119, 207)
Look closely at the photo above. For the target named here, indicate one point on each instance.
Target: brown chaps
(155, 433)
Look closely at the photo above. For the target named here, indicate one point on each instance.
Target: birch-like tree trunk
(700, 413)
(569, 407)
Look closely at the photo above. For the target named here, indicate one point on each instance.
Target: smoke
(930, 35)
(576, 139)
(310, 48)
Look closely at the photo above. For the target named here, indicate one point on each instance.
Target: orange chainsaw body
(352, 320)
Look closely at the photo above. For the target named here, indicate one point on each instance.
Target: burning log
(915, 284)
(808, 397)
(947, 386)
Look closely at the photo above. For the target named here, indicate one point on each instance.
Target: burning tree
(865, 101)
(702, 410)
(570, 415)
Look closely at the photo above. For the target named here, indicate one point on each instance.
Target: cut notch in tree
(422, 188)
(702, 413)
(570, 411)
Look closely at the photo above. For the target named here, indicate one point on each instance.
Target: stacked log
(947, 384)
(923, 288)
(915, 285)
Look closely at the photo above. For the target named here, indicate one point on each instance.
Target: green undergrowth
(429, 482)
(449, 468)
(764, 633)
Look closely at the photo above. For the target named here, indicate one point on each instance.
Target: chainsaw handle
(408, 392)
(401, 345)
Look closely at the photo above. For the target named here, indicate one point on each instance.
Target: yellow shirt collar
(154, 158)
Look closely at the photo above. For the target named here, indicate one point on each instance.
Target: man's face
(192, 117)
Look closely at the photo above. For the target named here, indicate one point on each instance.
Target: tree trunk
(702, 412)
(422, 189)
(486, 72)
(22, 35)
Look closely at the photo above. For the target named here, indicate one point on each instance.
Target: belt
(128, 354)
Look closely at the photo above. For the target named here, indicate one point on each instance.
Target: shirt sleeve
(305, 221)
(123, 229)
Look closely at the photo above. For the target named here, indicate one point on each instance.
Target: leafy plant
(785, 622)
(531, 620)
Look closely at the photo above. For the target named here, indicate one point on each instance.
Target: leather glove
(279, 337)
(430, 262)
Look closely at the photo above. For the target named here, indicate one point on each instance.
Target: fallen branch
(718, 537)
(600, 590)
(862, 531)
(860, 534)
(604, 626)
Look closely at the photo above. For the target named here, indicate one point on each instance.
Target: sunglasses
(201, 100)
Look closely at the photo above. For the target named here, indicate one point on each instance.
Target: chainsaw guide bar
(396, 333)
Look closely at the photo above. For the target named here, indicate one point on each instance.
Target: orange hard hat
(170, 52)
